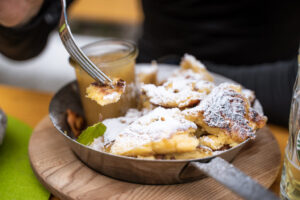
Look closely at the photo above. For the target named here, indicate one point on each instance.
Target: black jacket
(29, 40)
(232, 32)
(234, 37)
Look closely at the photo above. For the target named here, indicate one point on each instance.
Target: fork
(76, 53)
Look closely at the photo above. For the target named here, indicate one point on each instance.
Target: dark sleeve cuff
(29, 40)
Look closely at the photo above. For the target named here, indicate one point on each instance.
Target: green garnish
(90, 133)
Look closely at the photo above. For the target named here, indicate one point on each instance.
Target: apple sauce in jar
(116, 58)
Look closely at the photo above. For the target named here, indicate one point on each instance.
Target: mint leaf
(90, 133)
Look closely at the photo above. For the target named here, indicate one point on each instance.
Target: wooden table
(31, 107)
(112, 11)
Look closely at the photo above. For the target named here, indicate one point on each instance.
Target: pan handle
(235, 180)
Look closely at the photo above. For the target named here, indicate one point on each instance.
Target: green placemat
(17, 180)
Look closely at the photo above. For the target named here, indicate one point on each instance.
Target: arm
(25, 28)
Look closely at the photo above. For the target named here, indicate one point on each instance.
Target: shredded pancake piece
(177, 92)
(114, 126)
(226, 112)
(200, 152)
(190, 74)
(249, 94)
(214, 142)
(190, 63)
(104, 94)
(147, 74)
(161, 131)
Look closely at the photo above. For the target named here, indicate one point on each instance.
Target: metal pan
(154, 171)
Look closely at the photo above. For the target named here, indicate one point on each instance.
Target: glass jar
(116, 58)
(290, 178)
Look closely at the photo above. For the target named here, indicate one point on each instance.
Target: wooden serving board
(60, 171)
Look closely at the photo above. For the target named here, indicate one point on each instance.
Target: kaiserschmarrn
(105, 94)
(187, 116)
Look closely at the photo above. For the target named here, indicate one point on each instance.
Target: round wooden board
(60, 171)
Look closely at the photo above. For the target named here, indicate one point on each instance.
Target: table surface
(31, 106)
(112, 11)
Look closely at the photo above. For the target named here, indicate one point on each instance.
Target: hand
(18, 12)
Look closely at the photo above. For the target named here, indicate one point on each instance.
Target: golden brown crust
(104, 94)
(189, 62)
(257, 119)
(226, 112)
(75, 122)
(176, 93)
(249, 94)
(161, 131)
(147, 74)
(212, 141)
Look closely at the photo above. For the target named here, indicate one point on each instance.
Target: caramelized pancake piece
(190, 74)
(212, 141)
(115, 125)
(249, 94)
(189, 62)
(147, 74)
(186, 88)
(161, 131)
(226, 112)
(104, 94)
(176, 92)
(200, 152)
(258, 119)
(215, 142)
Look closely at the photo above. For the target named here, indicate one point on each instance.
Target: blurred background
(90, 20)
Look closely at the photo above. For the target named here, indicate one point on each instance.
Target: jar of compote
(116, 58)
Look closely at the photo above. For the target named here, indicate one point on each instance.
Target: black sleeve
(29, 40)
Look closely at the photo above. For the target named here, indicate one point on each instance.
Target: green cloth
(17, 180)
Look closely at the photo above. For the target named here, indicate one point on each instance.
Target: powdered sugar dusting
(112, 96)
(98, 144)
(147, 69)
(204, 86)
(207, 139)
(225, 108)
(156, 125)
(193, 61)
(116, 125)
(189, 74)
(249, 94)
(177, 92)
